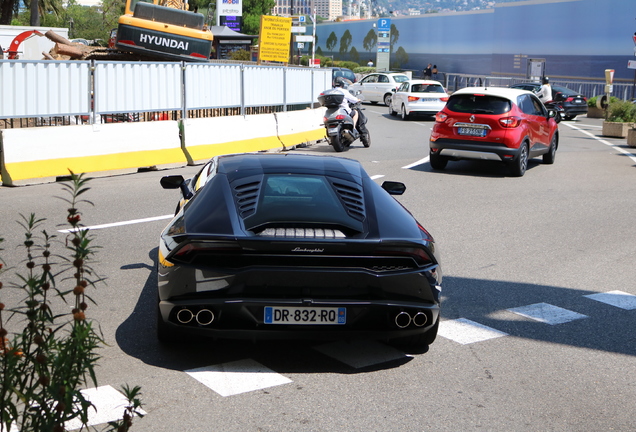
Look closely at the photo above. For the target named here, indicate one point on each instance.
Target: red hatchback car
(500, 124)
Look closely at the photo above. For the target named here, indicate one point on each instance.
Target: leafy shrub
(364, 70)
(346, 64)
(621, 111)
(591, 102)
(241, 55)
(44, 365)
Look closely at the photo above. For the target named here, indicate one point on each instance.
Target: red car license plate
(472, 131)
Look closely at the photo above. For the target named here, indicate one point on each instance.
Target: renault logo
(472, 119)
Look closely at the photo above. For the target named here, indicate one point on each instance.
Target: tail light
(510, 122)
(417, 254)
(324, 119)
(340, 117)
(570, 99)
(444, 99)
(440, 117)
(413, 98)
(189, 251)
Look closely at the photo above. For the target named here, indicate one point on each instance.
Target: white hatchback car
(378, 87)
(425, 97)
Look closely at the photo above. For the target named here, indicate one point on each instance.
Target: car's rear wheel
(549, 157)
(519, 165)
(437, 162)
(403, 113)
(165, 334)
(567, 117)
(387, 99)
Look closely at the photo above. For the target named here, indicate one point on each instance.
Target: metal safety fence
(42, 93)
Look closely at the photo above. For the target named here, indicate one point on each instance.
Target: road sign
(384, 24)
(301, 18)
(298, 29)
(300, 45)
(631, 64)
(304, 38)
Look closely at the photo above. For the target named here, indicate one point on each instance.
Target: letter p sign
(384, 24)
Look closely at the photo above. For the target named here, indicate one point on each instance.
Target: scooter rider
(545, 92)
(340, 84)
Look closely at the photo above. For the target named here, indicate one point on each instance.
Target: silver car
(378, 87)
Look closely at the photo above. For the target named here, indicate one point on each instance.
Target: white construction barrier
(44, 152)
(297, 127)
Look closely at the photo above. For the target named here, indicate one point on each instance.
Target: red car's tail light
(510, 122)
(440, 117)
(413, 98)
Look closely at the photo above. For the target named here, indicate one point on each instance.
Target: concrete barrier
(297, 127)
(36, 155)
(42, 153)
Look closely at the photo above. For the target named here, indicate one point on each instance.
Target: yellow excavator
(163, 29)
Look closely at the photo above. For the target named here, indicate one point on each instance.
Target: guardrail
(589, 89)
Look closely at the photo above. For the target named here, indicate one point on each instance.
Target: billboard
(230, 8)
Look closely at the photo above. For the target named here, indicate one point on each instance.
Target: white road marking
(616, 298)
(237, 377)
(414, 164)
(108, 405)
(632, 156)
(547, 313)
(116, 224)
(375, 177)
(465, 331)
(359, 354)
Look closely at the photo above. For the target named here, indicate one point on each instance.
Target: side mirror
(393, 90)
(394, 188)
(555, 115)
(172, 182)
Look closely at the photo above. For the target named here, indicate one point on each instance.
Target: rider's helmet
(546, 80)
(340, 82)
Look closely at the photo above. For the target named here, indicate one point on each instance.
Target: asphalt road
(522, 346)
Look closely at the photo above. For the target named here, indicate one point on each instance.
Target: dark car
(295, 246)
(574, 103)
(344, 73)
(499, 124)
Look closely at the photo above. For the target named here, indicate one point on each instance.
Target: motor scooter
(339, 124)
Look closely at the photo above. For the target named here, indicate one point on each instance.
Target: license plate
(305, 315)
(429, 100)
(578, 101)
(472, 132)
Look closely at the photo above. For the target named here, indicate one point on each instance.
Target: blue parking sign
(384, 24)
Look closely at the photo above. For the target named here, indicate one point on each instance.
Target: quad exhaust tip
(205, 317)
(184, 316)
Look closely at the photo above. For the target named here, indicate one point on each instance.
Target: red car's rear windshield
(478, 104)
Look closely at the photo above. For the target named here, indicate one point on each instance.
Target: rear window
(478, 104)
(427, 88)
(287, 200)
(400, 78)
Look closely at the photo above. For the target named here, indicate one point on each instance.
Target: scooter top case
(331, 98)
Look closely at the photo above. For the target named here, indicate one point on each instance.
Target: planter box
(593, 112)
(631, 137)
(615, 129)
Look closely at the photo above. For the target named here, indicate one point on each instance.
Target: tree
(370, 40)
(252, 11)
(332, 40)
(345, 42)
(353, 55)
(395, 35)
(401, 57)
(6, 10)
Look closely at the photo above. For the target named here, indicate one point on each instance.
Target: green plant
(621, 111)
(242, 55)
(591, 102)
(364, 70)
(52, 355)
(346, 64)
